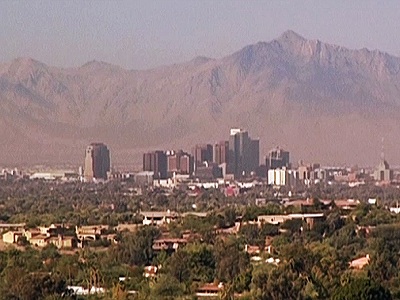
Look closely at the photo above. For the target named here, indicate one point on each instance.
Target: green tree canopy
(361, 289)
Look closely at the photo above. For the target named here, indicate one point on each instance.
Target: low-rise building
(62, 241)
(12, 237)
(150, 271)
(279, 219)
(12, 226)
(252, 250)
(383, 173)
(90, 232)
(209, 290)
(158, 218)
(39, 240)
(168, 244)
(56, 175)
(282, 177)
(272, 219)
(360, 263)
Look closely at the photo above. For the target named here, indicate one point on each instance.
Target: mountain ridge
(290, 91)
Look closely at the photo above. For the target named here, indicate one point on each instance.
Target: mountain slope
(323, 102)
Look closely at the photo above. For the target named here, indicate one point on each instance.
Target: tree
(167, 287)
(193, 263)
(272, 283)
(230, 259)
(36, 286)
(361, 289)
(293, 225)
(136, 248)
(178, 266)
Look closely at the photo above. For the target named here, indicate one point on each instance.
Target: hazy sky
(143, 34)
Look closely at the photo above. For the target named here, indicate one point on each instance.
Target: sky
(145, 34)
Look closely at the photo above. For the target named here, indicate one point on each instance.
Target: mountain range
(322, 102)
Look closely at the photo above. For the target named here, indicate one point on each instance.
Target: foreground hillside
(229, 246)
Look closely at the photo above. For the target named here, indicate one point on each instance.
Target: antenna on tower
(383, 149)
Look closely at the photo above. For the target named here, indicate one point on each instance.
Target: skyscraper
(244, 153)
(277, 158)
(202, 153)
(179, 162)
(97, 162)
(186, 164)
(253, 160)
(157, 162)
(221, 152)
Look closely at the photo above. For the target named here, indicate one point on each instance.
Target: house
(195, 214)
(41, 237)
(168, 244)
(230, 230)
(80, 290)
(62, 241)
(12, 237)
(150, 271)
(310, 218)
(90, 232)
(112, 238)
(279, 219)
(209, 290)
(298, 202)
(39, 240)
(12, 226)
(347, 203)
(252, 250)
(29, 233)
(43, 240)
(158, 218)
(53, 229)
(360, 263)
(272, 219)
(127, 227)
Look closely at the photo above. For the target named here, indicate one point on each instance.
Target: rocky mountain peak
(291, 36)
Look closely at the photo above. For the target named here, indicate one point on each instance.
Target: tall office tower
(172, 162)
(202, 153)
(277, 158)
(254, 155)
(221, 152)
(97, 162)
(148, 161)
(186, 164)
(179, 162)
(244, 153)
(156, 162)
